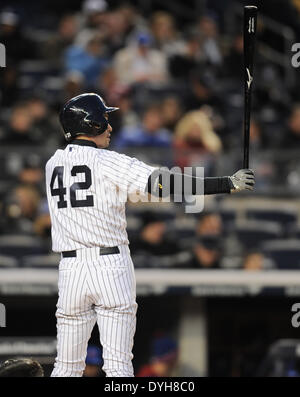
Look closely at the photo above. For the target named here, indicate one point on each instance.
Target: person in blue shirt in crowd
(149, 133)
(90, 60)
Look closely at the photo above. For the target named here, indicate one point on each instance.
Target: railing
(235, 283)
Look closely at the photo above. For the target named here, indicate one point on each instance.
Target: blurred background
(215, 289)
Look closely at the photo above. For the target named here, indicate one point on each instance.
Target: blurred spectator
(209, 224)
(201, 92)
(257, 138)
(208, 28)
(94, 14)
(20, 130)
(210, 230)
(32, 172)
(115, 28)
(119, 95)
(89, 60)
(291, 137)
(20, 209)
(296, 4)
(189, 59)
(73, 85)
(93, 363)
(149, 133)
(139, 63)
(61, 39)
(44, 121)
(42, 228)
(171, 112)
(235, 59)
(194, 135)
(254, 261)
(163, 359)
(110, 87)
(27, 197)
(42, 223)
(135, 22)
(127, 116)
(18, 46)
(206, 253)
(165, 36)
(153, 238)
(31, 122)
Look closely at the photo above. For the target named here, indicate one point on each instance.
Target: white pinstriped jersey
(87, 190)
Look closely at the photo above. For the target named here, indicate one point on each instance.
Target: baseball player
(96, 274)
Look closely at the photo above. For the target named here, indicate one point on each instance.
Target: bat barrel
(250, 18)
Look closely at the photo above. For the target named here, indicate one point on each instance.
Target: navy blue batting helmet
(84, 115)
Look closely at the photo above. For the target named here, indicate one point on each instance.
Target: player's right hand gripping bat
(250, 19)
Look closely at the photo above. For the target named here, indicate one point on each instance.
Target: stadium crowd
(179, 87)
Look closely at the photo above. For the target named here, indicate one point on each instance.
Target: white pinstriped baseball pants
(102, 289)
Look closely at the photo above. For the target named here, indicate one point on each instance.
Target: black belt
(102, 251)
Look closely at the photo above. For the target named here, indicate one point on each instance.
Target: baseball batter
(84, 185)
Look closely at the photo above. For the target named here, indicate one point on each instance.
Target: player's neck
(83, 138)
(101, 141)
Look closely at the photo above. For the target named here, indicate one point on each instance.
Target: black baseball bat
(250, 20)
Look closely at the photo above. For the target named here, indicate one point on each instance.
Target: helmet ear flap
(99, 127)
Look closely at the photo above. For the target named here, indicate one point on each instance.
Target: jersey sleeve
(128, 173)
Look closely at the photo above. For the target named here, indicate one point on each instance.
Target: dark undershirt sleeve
(217, 185)
(163, 183)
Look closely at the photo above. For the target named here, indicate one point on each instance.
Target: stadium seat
(133, 226)
(8, 261)
(133, 222)
(18, 245)
(42, 261)
(252, 233)
(228, 216)
(183, 233)
(41, 74)
(140, 261)
(4, 187)
(284, 253)
(295, 232)
(283, 216)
